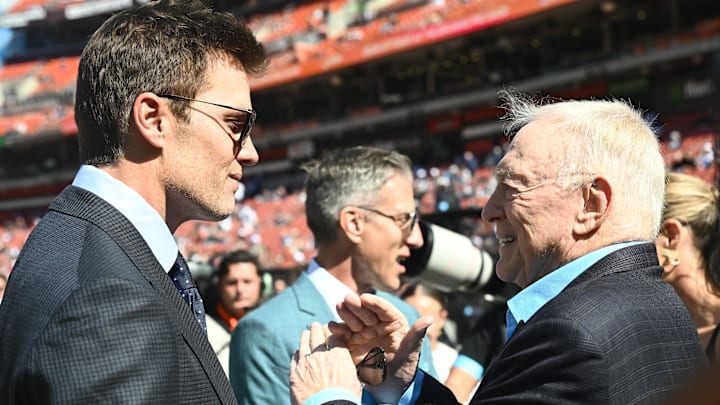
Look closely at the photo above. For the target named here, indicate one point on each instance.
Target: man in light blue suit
(361, 209)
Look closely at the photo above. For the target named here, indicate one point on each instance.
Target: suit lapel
(309, 300)
(193, 335)
(626, 259)
(83, 204)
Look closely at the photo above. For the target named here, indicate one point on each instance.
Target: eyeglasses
(241, 127)
(405, 221)
(372, 370)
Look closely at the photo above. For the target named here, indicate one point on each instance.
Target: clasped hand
(369, 322)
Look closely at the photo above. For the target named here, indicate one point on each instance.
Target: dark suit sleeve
(111, 341)
(433, 392)
(554, 361)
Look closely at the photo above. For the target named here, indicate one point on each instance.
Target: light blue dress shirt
(523, 305)
(144, 217)
(527, 302)
(470, 366)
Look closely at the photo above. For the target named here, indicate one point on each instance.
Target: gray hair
(343, 177)
(610, 138)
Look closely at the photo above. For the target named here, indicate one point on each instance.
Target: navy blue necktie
(183, 281)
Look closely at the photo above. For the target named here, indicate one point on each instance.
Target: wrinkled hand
(319, 363)
(371, 321)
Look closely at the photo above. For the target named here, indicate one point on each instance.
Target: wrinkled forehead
(533, 153)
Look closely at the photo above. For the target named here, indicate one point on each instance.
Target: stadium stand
(419, 76)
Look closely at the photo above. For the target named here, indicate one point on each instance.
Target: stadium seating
(278, 231)
(57, 74)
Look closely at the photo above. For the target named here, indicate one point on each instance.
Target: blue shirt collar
(142, 215)
(528, 301)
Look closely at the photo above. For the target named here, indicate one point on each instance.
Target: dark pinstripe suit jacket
(617, 334)
(90, 316)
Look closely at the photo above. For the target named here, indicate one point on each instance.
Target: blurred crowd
(271, 223)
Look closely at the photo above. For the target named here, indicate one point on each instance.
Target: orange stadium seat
(23, 5)
(57, 74)
(16, 71)
(30, 123)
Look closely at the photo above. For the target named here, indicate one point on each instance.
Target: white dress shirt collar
(142, 215)
(332, 290)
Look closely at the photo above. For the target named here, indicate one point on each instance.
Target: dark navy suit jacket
(90, 316)
(617, 334)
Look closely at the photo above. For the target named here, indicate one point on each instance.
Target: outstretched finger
(330, 339)
(419, 329)
(412, 342)
(317, 337)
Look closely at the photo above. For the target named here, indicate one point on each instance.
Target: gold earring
(672, 255)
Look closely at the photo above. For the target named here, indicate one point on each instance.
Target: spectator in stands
(100, 307)
(432, 302)
(279, 285)
(674, 140)
(235, 289)
(576, 210)
(361, 211)
(689, 250)
(706, 157)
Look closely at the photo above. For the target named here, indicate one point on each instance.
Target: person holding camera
(576, 210)
(360, 208)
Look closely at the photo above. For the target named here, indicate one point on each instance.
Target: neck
(135, 176)
(338, 264)
(703, 304)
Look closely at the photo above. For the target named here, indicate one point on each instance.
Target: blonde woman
(688, 247)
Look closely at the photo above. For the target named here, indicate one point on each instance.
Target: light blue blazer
(263, 342)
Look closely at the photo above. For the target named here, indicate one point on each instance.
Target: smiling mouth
(506, 240)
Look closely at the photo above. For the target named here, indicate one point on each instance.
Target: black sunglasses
(247, 124)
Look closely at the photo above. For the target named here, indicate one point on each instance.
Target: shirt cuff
(470, 366)
(331, 394)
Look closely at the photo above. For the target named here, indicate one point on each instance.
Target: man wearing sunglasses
(100, 307)
(361, 209)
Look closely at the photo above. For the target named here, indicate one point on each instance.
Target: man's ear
(597, 196)
(151, 118)
(352, 223)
